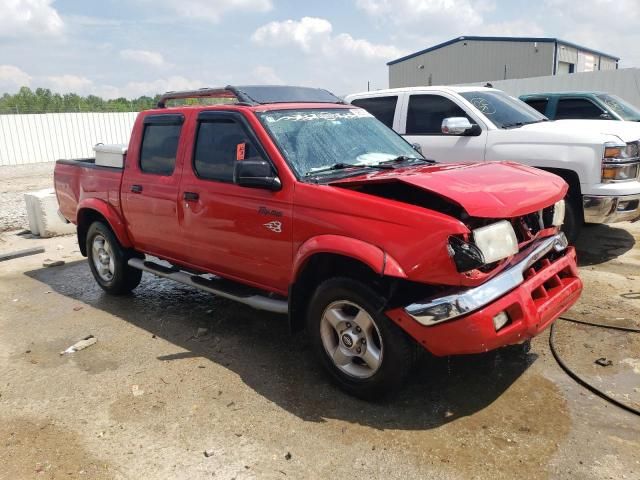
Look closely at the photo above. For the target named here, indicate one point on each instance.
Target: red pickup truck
(288, 200)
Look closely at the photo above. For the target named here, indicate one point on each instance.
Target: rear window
(160, 145)
(383, 108)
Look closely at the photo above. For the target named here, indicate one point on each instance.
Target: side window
(159, 147)
(540, 104)
(577, 108)
(220, 144)
(383, 108)
(426, 113)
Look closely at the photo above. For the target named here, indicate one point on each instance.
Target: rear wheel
(363, 351)
(108, 261)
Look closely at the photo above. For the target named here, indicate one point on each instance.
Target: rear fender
(86, 214)
(372, 256)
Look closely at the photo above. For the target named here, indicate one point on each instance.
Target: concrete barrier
(42, 213)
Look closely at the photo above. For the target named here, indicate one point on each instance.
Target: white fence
(624, 82)
(35, 138)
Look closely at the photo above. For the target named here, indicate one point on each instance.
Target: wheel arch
(93, 210)
(330, 256)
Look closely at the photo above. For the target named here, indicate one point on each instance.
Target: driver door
(423, 125)
(238, 232)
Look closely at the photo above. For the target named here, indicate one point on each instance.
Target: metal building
(485, 59)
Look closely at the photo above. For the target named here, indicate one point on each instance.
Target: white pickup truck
(599, 159)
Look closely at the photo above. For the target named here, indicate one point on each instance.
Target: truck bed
(78, 179)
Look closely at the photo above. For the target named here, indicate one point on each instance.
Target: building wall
(582, 60)
(624, 82)
(34, 138)
(474, 61)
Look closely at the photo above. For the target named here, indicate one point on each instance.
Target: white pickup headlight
(496, 241)
(558, 214)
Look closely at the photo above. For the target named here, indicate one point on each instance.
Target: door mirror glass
(417, 147)
(456, 126)
(256, 174)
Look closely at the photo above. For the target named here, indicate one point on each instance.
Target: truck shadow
(601, 243)
(258, 347)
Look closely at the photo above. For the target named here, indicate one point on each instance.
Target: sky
(129, 48)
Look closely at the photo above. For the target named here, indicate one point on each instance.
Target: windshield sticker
(483, 105)
(613, 105)
(331, 116)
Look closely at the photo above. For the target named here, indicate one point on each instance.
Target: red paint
(264, 238)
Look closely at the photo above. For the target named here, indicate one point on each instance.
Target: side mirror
(605, 116)
(459, 126)
(417, 147)
(256, 174)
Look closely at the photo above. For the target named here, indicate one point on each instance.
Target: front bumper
(548, 288)
(610, 209)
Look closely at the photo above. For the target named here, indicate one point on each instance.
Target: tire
(338, 308)
(108, 261)
(573, 219)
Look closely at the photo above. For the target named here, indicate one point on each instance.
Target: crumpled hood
(626, 131)
(486, 190)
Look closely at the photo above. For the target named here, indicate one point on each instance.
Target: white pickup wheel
(363, 351)
(108, 261)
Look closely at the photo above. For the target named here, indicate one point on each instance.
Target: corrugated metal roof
(503, 39)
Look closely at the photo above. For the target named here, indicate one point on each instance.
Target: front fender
(372, 256)
(110, 214)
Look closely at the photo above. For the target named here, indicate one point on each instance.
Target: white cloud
(161, 85)
(314, 35)
(68, 83)
(431, 15)
(586, 26)
(213, 10)
(146, 57)
(11, 77)
(304, 33)
(29, 18)
(266, 75)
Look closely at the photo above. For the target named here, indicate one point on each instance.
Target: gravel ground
(14, 182)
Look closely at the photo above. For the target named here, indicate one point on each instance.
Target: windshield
(312, 140)
(623, 109)
(504, 111)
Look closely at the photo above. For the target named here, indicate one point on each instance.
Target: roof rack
(256, 94)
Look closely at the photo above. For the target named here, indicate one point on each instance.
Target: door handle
(191, 196)
(136, 188)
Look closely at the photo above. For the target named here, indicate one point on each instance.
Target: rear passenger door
(150, 185)
(237, 232)
(423, 124)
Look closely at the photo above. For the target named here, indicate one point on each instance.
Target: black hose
(601, 325)
(579, 380)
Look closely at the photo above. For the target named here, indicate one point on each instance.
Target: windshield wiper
(520, 124)
(342, 166)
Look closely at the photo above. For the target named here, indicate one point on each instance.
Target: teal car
(582, 105)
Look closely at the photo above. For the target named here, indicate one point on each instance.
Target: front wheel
(573, 219)
(108, 261)
(363, 351)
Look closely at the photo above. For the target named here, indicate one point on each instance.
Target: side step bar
(259, 302)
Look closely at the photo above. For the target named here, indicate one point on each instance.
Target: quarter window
(426, 113)
(539, 104)
(383, 108)
(577, 108)
(159, 148)
(219, 145)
